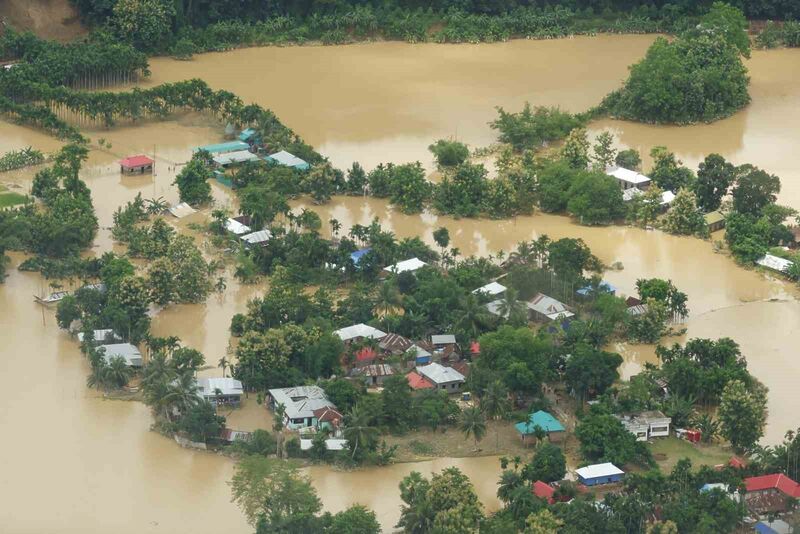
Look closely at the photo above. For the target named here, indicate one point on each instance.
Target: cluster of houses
(373, 347)
(248, 147)
(634, 184)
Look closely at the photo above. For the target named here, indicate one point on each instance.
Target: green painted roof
(543, 420)
(713, 217)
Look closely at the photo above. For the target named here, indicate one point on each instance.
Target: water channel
(94, 462)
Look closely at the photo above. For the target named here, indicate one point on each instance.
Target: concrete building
(220, 391)
(301, 405)
(597, 474)
(629, 179)
(647, 425)
(444, 378)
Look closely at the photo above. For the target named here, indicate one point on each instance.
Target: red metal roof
(544, 491)
(366, 354)
(777, 481)
(136, 161)
(736, 462)
(327, 414)
(417, 381)
(475, 348)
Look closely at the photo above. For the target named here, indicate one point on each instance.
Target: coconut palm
(156, 205)
(358, 429)
(473, 424)
(118, 373)
(388, 299)
(540, 248)
(523, 255)
(707, 426)
(514, 310)
(224, 364)
(509, 481)
(495, 404)
(474, 317)
(182, 393)
(335, 226)
(98, 378)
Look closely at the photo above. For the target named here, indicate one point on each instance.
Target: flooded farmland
(95, 462)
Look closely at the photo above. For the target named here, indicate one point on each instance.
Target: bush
(449, 153)
(183, 49)
(533, 127)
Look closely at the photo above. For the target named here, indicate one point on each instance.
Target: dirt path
(49, 19)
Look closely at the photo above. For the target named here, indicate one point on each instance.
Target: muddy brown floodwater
(72, 462)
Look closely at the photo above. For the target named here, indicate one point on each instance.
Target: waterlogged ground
(94, 462)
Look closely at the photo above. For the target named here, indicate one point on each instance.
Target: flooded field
(95, 462)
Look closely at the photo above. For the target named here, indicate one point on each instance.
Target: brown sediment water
(385, 102)
(94, 465)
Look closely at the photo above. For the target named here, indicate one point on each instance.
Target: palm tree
(495, 404)
(523, 255)
(387, 299)
(358, 429)
(182, 393)
(99, 375)
(156, 205)
(512, 309)
(224, 363)
(540, 248)
(509, 481)
(473, 423)
(118, 373)
(335, 226)
(707, 426)
(474, 316)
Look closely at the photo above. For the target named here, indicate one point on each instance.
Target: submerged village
(377, 377)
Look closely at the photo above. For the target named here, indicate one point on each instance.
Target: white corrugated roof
(99, 335)
(301, 401)
(262, 236)
(240, 156)
(626, 175)
(130, 353)
(234, 226)
(439, 374)
(181, 210)
(599, 470)
(494, 307)
(406, 266)
(359, 330)
(774, 262)
(492, 288)
(228, 386)
(288, 159)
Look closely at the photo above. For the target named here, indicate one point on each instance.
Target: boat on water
(53, 298)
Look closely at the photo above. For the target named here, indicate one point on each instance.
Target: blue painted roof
(247, 134)
(543, 420)
(358, 254)
(763, 528)
(605, 286)
(221, 148)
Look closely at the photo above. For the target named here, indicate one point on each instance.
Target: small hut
(138, 164)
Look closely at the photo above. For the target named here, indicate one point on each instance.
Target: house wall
(659, 430)
(450, 387)
(597, 481)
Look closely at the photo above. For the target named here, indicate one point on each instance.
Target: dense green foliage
(533, 127)
(699, 77)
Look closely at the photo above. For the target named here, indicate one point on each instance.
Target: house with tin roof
(547, 309)
(444, 378)
(220, 390)
(359, 332)
(301, 405)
